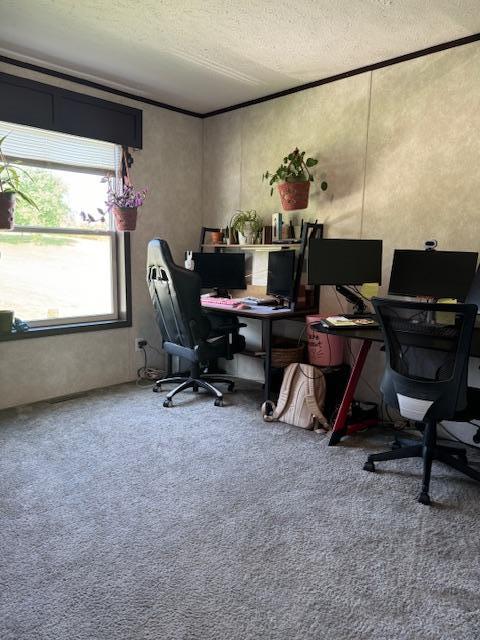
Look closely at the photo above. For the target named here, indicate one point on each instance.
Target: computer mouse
(243, 306)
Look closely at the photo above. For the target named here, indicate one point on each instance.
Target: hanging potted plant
(10, 187)
(248, 225)
(293, 177)
(124, 205)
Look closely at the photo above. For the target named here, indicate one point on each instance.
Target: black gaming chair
(186, 330)
(427, 351)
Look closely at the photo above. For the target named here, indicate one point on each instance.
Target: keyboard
(222, 302)
(434, 330)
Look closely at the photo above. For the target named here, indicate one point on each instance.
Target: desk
(368, 336)
(267, 316)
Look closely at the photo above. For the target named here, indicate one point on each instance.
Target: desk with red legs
(367, 336)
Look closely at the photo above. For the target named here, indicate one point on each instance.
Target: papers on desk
(350, 322)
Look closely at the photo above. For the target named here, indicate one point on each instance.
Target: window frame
(120, 259)
(121, 247)
(110, 233)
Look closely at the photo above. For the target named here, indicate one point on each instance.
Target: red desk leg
(340, 424)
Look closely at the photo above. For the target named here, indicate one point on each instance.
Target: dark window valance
(41, 105)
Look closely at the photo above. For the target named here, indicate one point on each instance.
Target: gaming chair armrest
(235, 341)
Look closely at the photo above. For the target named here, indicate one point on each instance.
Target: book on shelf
(277, 225)
(267, 234)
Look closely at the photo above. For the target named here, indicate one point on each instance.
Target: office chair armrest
(228, 328)
(221, 322)
(200, 330)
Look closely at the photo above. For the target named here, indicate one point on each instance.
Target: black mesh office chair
(425, 378)
(186, 330)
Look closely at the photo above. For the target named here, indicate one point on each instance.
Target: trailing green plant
(294, 168)
(10, 177)
(241, 218)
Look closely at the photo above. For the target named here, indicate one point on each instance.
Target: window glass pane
(70, 199)
(51, 275)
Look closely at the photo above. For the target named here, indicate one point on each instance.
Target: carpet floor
(122, 520)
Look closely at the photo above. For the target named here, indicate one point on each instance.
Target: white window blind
(50, 147)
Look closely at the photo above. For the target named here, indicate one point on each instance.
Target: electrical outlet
(140, 343)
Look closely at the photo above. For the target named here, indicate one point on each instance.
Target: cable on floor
(146, 375)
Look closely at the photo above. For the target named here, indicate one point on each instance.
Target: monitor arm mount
(219, 292)
(359, 305)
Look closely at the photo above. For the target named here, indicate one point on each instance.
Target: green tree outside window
(49, 193)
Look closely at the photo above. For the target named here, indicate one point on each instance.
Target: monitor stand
(359, 306)
(220, 293)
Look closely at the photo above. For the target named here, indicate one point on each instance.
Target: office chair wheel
(218, 402)
(395, 445)
(424, 498)
(369, 466)
(156, 389)
(195, 388)
(231, 387)
(167, 403)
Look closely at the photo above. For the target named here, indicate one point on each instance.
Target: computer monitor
(221, 271)
(281, 274)
(432, 274)
(473, 296)
(343, 262)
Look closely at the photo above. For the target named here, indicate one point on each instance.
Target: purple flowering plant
(126, 198)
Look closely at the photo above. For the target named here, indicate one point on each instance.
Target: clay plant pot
(7, 210)
(125, 218)
(217, 237)
(294, 195)
(6, 321)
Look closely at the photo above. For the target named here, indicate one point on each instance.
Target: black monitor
(432, 274)
(281, 274)
(473, 296)
(221, 271)
(343, 262)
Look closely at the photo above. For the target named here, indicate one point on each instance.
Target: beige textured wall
(423, 178)
(400, 148)
(329, 121)
(170, 165)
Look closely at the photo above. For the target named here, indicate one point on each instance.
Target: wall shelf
(255, 247)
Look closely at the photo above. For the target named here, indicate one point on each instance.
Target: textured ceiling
(207, 54)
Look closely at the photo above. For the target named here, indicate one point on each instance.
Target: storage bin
(324, 350)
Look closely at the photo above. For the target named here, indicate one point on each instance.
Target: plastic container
(324, 350)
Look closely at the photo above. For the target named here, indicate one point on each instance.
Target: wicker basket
(285, 352)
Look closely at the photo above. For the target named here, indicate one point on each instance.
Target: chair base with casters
(194, 381)
(454, 457)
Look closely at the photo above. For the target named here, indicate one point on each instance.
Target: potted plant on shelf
(248, 225)
(293, 177)
(124, 205)
(10, 187)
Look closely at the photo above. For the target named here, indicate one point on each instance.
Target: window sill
(57, 330)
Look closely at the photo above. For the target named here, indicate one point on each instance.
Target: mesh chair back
(427, 348)
(175, 294)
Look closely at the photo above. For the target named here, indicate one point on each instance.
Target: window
(63, 263)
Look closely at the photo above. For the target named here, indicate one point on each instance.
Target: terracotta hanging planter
(125, 218)
(7, 209)
(294, 195)
(217, 237)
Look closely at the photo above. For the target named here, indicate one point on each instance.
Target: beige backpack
(301, 400)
